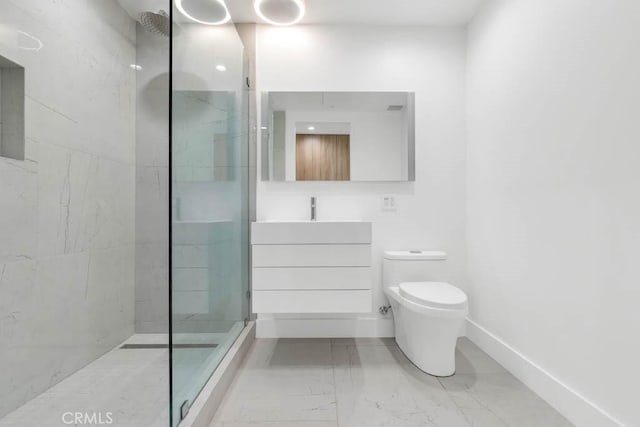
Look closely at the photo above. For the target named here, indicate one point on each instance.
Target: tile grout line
(335, 388)
(466, 419)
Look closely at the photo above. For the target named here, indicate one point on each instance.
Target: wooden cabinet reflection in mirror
(322, 157)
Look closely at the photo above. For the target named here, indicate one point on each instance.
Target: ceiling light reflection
(257, 5)
(227, 17)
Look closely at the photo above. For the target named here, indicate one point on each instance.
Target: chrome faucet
(313, 208)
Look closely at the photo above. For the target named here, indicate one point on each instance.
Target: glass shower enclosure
(124, 209)
(209, 203)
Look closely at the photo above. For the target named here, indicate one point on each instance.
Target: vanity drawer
(312, 301)
(300, 278)
(301, 233)
(311, 255)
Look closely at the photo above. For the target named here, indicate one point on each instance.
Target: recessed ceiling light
(208, 12)
(221, 67)
(280, 12)
(136, 67)
(311, 128)
(264, 128)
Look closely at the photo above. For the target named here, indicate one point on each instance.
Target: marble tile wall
(152, 183)
(204, 202)
(67, 221)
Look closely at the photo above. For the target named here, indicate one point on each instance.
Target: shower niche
(11, 109)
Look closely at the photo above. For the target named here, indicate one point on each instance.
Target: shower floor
(128, 385)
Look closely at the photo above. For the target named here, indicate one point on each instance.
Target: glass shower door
(209, 195)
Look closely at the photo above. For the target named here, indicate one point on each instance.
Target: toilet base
(428, 341)
(419, 368)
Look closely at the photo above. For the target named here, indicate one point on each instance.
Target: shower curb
(204, 408)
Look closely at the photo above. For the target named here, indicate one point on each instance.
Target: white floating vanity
(311, 267)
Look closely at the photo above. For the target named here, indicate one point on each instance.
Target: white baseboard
(324, 328)
(575, 407)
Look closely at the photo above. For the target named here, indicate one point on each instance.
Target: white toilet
(427, 314)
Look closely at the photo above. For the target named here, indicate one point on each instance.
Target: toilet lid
(434, 294)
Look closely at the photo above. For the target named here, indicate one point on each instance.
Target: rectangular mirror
(338, 136)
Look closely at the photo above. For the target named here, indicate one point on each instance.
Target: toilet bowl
(428, 315)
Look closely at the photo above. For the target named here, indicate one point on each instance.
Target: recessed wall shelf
(11, 109)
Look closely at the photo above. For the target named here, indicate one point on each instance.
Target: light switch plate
(389, 203)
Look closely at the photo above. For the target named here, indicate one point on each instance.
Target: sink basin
(310, 232)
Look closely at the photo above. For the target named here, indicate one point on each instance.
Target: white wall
(377, 142)
(67, 210)
(553, 196)
(429, 62)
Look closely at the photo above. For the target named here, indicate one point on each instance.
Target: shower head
(157, 23)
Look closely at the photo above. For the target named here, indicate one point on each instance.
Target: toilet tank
(413, 266)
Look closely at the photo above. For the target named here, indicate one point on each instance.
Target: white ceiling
(363, 12)
(373, 12)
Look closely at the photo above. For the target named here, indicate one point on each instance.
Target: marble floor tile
(477, 365)
(501, 399)
(465, 346)
(516, 417)
(287, 353)
(368, 382)
(362, 341)
(304, 383)
(133, 385)
(282, 381)
(491, 389)
(378, 386)
(277, 424)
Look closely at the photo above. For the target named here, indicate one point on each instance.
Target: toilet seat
(434, 294)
